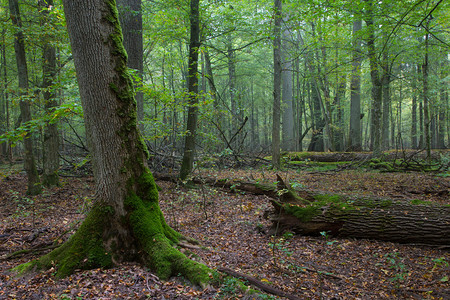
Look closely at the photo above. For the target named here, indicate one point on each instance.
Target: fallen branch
(264, 287)
(26, 251)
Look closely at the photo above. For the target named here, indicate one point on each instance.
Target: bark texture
(126, 223)
(417, 222)
(130, 14)
(51, 136)
(288, 143)
(354, 135)
(276, 113)
(376, 126)
(194, 44)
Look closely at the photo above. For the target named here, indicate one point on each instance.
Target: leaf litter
(232, 227)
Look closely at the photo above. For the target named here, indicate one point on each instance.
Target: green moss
(334, 204)
(421, 202)
(147, 189)
(84, 250)
(157, 239)
(303, 213)
(23, 268)
(328, 198)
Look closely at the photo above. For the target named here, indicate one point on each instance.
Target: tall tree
(276, 113)
(376, 126)
(414, 109)
(426, 92)
(443, 94)
(130, 15)
(125, 222)
(191, 127)
(288, 143)
(386, 102)
(50, 176)
(34, 185)
(3, 94)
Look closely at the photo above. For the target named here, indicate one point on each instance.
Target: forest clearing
(232, 227)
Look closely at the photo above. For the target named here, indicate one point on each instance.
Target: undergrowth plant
(395, 262)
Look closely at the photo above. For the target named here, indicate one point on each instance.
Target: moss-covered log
(125, 223)
(309, 213)
(416, 222)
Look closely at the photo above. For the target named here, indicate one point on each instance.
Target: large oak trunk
(125, 223)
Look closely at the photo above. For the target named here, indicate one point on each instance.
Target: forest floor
(232, 226)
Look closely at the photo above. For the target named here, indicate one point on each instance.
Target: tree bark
(354, 143)
(414, 111)
(51, 134)
(386, 102)
(288, 142)
(125, 223)
(276, 113)
(419, 222)
(380, 219)
(426, 108)
(34, 184)
(4, 96)
(130, 15)
(376, 84)
(194, 45)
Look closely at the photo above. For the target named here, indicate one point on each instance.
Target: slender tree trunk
(414, 144)
(355, 143)
(421, 124)
(426, 107)
(34, 185)
(300, 107)
(288, 143)
(4, 96)
(376, 85)
(51, 134)
(276, 159)
(385, 80)
(443, 107)
(339, 119)
(194, 45)
(399, 119)
(130, 14)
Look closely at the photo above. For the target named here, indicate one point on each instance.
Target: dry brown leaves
(232, 226)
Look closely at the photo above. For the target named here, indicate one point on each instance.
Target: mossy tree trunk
(125, 223)
(417, 222)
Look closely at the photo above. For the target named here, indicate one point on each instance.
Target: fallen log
(309, 213)
(418, 222)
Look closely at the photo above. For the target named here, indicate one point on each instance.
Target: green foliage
(326, 236)
(400, 271)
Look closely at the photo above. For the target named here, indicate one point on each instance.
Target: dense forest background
(355, 75)
(279, 118)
